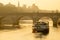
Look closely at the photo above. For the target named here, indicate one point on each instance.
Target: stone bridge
(13, 18)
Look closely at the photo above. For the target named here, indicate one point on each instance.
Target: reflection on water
(26, 34)
(26, 21)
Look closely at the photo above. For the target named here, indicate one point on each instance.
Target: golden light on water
(42, 4)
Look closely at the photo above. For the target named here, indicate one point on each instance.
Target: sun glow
(42, 4)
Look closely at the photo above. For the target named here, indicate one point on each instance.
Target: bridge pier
(1, 22)
(54, 23)
(16, 25)
(55, 20)
(35, 20)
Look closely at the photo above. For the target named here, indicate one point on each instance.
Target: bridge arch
(7, 21)
(25, 21)
(58, 22)
(47, 19)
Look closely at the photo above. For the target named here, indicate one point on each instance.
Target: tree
(1, 8)
(10, 8)
(1, 5)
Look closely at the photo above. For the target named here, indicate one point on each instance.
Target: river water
(25, 33)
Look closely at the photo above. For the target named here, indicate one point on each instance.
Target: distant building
(35, 8)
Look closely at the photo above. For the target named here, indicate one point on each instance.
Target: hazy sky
(42, 4)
